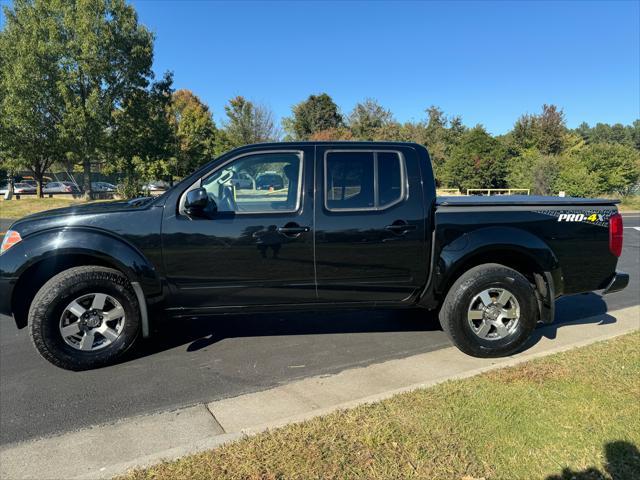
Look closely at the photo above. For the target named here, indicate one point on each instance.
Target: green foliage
(82, 59)
(442, 135)
(534, 171)
(477, 161)
(545, 132)
(367, 118)
(142, 139)
(105, 55)
(316, 114)
(247, 123)
(576, 179)
(615, 167)
(628, 135)
(31, 104)
(195, 133)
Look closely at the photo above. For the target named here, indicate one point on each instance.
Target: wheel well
(38, 274)
(509, 258)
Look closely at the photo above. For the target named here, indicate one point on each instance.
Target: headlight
(10, 239)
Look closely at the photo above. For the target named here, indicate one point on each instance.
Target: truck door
(257, 249)
(371, 243)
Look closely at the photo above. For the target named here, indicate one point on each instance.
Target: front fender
(40, 255)
(104, 246)
(491, 243)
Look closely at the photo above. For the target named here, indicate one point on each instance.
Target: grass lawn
(26, 206)
(574, 415)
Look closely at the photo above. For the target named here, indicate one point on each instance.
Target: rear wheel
(490, 311)
(84, 317)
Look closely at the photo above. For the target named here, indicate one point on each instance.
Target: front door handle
(292, 229)
(399, 227)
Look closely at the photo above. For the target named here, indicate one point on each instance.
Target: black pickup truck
(348, 225)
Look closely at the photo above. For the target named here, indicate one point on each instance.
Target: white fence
(498, 191)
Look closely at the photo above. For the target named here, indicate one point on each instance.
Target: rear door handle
(293, 229)
(399, 227)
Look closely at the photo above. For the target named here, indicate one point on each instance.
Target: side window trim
(299, 198)
(404, 192)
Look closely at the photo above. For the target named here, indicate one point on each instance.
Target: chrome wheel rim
(92, 322)
(494, 314)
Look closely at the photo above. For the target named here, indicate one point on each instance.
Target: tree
(248, 123)
(544, 132)
(576, 180)
(143, 139)
(367, 118)
(31, 105)
(440, 135)
(478, 161)
(316, 114)
(103, 55)
(635, 134)
(616, 167)
(534, 171)
(195, 132)
(605, 133)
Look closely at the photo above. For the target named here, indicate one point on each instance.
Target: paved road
(232, 355)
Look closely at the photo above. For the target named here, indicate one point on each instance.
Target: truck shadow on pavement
(587, 308)
(201, 332)
(622, 463)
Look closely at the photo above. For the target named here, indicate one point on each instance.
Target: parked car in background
(22, 187)
(268, 180)
(103, 187)
(243, 181)
(155, 185)
(61, 187)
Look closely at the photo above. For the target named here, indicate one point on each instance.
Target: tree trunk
(86, 181)
(38, 174)
(39, 190)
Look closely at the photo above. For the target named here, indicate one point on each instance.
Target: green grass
(574, 415)
(26, 206)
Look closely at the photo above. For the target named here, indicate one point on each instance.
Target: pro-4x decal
(593, 217)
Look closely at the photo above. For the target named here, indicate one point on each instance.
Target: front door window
(260, 183)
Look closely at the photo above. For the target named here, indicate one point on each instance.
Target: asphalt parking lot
(205, 360)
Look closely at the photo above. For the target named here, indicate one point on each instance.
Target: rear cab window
(363, 180)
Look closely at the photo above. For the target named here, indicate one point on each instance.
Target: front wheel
(490, 311)
(84, 317)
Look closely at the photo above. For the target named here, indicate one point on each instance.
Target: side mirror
(198, 203)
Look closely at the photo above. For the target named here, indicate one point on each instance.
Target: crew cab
(351, 225)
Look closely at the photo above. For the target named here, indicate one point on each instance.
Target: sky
(488, 62)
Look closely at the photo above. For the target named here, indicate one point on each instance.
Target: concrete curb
(146, 440)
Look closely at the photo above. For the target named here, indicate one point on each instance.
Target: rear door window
(363, 180)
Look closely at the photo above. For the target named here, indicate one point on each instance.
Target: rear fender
(512, 247)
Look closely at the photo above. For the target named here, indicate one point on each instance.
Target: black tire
(51, 300)
(453, 314)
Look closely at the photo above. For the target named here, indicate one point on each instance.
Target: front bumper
(618, 282)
